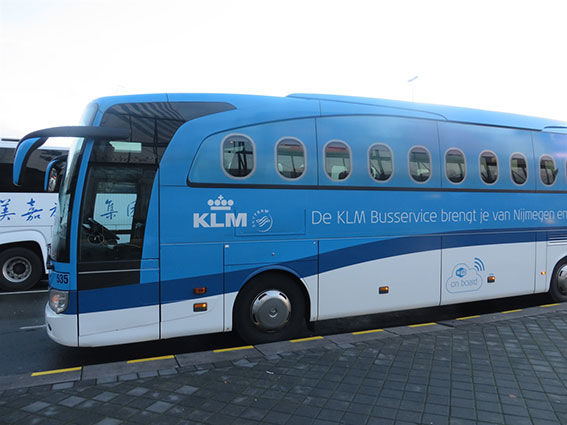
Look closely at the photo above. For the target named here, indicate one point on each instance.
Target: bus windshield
(60, 244)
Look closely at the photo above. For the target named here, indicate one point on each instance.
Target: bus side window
(419, 164)
(488, 167)
(455, 165)
(380, 162)
(519, 168)
(290, 158)
(547, 170)
(238, 156)
(337, 160)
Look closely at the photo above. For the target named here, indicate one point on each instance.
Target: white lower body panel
(483, 272)
(413, 281)
(179, 319)
(119, 326)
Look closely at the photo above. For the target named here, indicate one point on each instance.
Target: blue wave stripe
(139, 295)
(118, 297)
(376, 250)
(386, 248)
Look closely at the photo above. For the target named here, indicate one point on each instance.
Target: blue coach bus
(185, 214)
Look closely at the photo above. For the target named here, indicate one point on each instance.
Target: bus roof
(339, 105)
(446, 113)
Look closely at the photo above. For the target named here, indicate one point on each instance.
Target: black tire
(20, 269)
(267, 294)
(558, 287)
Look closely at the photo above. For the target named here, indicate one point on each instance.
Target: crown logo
(220, 204)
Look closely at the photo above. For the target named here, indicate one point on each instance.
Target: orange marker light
(543, 273)
(200, 291)
(384, 290)
(200, 307)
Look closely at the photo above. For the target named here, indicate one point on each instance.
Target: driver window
(114, 212)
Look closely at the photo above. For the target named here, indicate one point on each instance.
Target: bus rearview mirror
(54, 174)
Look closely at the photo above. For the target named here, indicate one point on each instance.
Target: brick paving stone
(72, 401)
(430, 419)
(36, 407)
(109, 421)
(62, 386)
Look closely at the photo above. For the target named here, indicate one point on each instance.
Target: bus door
(118, 258)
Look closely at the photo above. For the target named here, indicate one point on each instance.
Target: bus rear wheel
(20, 269)
(270, 308)
(558, 289)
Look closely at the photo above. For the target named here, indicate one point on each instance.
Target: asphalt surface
(499, 368)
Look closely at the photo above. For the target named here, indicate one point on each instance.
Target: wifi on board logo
(465, 278)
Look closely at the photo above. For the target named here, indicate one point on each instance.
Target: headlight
(58, 300)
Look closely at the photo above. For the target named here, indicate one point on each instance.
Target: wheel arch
(554, 261)
(559, 265)
(308, 291)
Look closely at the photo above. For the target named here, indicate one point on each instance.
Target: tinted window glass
(290, 158)
(380, 162)
(238, 155)
(156, 123)
(547, 170)
(337, 161)
(488, 167)
(419, 164)
(455, 168)
(115, 204)
(519, 168)
(6, 161)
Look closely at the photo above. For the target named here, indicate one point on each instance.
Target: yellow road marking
(151, 359)
(511, 311)
(313, 338)
(422, 324)
(549, 305)
(245, 347)
(49, 372)
(467, 317)
(368, 332)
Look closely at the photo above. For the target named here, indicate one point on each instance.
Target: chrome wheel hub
(270, 310)
(16, 269)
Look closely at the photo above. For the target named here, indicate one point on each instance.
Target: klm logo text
(211, 220)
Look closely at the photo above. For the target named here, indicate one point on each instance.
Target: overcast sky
(57, 55)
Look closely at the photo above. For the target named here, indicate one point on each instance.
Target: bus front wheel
(20, 269)
(269, 308)
(558, 289)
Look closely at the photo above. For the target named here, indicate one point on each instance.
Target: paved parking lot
(504, 368)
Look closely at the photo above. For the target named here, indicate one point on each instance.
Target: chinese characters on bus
(31, 210)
